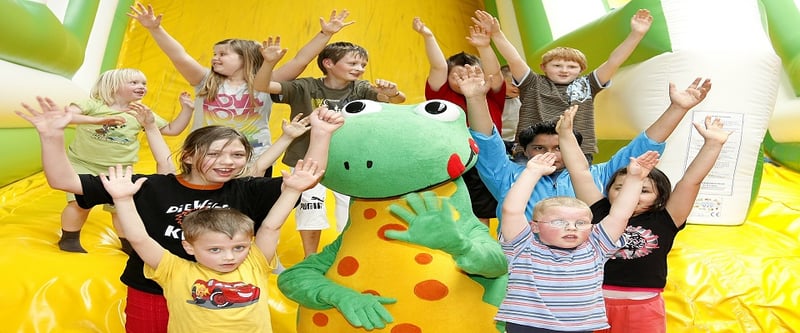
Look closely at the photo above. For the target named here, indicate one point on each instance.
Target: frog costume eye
(438, 109)
(360, 107)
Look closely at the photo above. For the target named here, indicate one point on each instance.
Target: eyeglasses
(563, 224)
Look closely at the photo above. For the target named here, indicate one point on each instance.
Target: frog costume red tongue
(454, 166)
(407, 259)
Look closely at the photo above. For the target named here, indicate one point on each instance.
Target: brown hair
(228, 221)
(336, 51)
(195, 147)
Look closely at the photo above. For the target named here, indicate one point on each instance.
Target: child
(291, 130)
(227, 265)
(499, 173)
(556, 259)
(441, 84)
(636, 275)
(343, 64)
(231, 76)
(510, 111)
(211, 159)
(545, 97)
(107, 134)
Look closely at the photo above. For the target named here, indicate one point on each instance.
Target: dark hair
(661, 182)
(336, 51)
(461, 59)
(527, 135)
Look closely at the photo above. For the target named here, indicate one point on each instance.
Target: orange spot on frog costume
(413, 258)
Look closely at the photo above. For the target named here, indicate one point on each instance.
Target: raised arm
(190, 69)
(480, 37)
(158, 147)
(519, 68)
(118, 184)
(50, 124)
(323, 123)
(681, 200)
(296, 128)
(291, 69)
(437, 74)
(79, 118)
(177, 125)
(572, 155)
(474, 87)
(388, 92)
(272, 52)
(628, 197)
(640, 24)
(306, 174)
(680, 103)
(514, 219)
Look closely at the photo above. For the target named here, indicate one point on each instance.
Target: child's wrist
(325, 33)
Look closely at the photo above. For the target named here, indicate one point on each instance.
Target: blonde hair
(252, 59)
(565, 53)
(558, 202)
(228, 221)
(105, 89)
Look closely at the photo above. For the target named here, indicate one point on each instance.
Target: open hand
(145, 15)
(52, 118)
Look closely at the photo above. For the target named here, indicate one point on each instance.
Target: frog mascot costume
(413, 257)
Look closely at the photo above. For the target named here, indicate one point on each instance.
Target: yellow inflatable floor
(722, 279)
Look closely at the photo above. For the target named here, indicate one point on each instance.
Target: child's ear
(187, 247)
(327, 63)
(534, 227)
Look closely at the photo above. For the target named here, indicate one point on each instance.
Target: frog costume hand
(413, 251)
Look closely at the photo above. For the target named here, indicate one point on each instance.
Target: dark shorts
(483, 203)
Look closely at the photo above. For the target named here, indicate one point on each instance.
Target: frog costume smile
(413, 258)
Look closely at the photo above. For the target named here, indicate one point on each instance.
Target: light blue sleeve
(602, 172)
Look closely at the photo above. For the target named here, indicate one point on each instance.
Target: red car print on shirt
(213, 294)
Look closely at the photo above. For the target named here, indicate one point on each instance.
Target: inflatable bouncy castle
(731, 270)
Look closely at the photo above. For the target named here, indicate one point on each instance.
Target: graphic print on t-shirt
(637, 242)
(213, 294)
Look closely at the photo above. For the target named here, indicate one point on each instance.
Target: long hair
(195, 147)
(251, 62)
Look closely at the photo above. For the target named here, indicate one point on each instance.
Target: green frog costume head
(413, 258)
(387, 150)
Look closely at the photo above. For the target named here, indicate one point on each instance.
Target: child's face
(568, 236)
(646, 199)
(223, 161)
(226, 62)
(217, 251)
(545, 143)
(561, 71)
(132, 90)
(350, 68)
(452, 78)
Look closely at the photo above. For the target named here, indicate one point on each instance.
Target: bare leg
(72, 219)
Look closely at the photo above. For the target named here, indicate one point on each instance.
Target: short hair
(109, 82)
(336, 51)
(527, 135)
(565, 53)
(560, 201)
(660, 180)
(228, 221)
(195, 147)
(462, 59)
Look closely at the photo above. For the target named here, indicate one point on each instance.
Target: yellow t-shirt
(202, 300)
